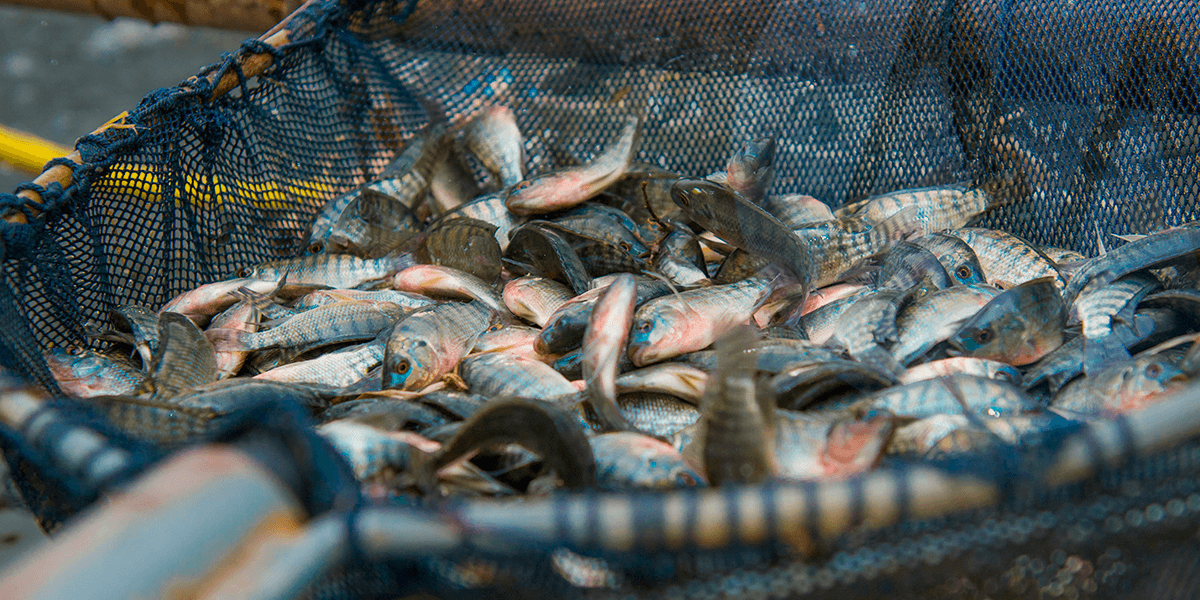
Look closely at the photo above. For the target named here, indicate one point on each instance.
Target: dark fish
(462, 243)
(546, 254)
(810, 383)
(549, 431)
(745, 225)
(185, 358)
(737, 417)
(599, 256)
(598, 221)
(142, 322)
(906, 264)
(372, 226)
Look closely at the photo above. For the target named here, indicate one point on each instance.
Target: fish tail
(1102, 351)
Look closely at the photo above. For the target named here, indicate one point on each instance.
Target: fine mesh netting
(1082, 115)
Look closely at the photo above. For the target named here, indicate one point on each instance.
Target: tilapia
(604, 343)
(567, 187)
(430, 342)
(680, 323)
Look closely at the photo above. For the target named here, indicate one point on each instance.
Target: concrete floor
(62, 75)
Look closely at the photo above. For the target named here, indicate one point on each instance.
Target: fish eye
(496, 327)
(625, 246)
(402, 367)
(1153, 370)
(963, 272)
(316, 247)
(75, 351)
(982, 336)
(644, 327)
(243, 272)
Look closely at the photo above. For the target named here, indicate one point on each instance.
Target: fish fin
(1099, 240)
(1101, 352)
(1132, 237)
(904, 224)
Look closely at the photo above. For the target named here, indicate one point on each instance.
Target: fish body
(341, 322)
(1170, 245)
(142, 322)
(430, 342)
(736, 418)
(535, 299)
(957, 257)
(953, 394)
(818, 449)
(680, 260)
(746, 226)
(906, 264)
(629, 460)
(333, 270)
(462, 243)
(183, 360)
(494, 138)
(936, 317)
(604, 343)
(941, 207)
(837, 246)
(495, 375)
(239, 317)
(545, 253)
(797, 210)
(680, 323)
(819, 325)
(434, 280)
(652, 413)
(867, 329)
(490, 209)
(570, 186)
(1008, 260)
(339, 368)
(966, 365)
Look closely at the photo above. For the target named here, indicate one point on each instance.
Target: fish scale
(1008, 259)
(1097, 308)
(333, 270)
(328, 324)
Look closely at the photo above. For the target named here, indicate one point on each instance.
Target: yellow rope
(27, 152)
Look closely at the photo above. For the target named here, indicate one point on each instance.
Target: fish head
(81, 372)
(1147, 380)
(699, 198)
(409, 365)
(656, 334)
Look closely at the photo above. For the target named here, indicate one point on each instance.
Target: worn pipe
(178, 532)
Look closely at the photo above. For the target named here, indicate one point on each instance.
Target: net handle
(252, 65)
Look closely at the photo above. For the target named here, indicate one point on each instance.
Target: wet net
(1082, 113)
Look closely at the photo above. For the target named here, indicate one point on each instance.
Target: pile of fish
(613, 324)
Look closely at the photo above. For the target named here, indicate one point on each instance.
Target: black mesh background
(1081, 113)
